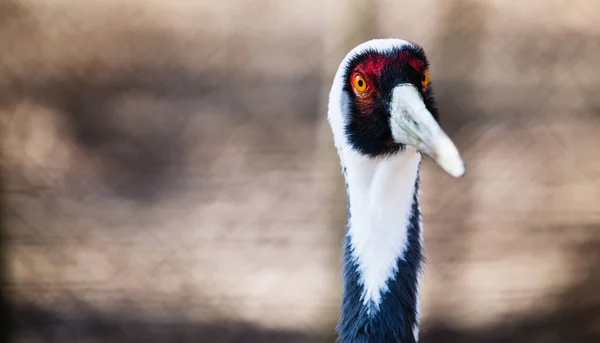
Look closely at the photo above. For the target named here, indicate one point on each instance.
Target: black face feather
(368, 129)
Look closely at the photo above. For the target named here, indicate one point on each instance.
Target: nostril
(416, 124)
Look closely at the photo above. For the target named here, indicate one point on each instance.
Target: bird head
(382, 102)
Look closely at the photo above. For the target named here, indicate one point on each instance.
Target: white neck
(381, 194)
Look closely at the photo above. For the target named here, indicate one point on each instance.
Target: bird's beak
(412, 124)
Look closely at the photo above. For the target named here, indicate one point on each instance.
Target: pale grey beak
(412, 124)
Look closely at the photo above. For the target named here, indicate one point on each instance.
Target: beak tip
(453, 165)
(458, 170)
(449, 159)
(462, 172)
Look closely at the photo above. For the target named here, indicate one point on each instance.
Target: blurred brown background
(168, 175)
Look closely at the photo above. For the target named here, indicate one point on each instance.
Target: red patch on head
(412, 60)
(373, 64)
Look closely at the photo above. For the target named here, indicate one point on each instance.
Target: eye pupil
(360, 83)
(423, 79)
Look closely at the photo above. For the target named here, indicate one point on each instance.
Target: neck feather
(382, 249)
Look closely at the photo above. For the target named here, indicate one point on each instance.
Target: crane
(384, 120)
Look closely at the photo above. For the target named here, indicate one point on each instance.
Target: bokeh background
(168, 174)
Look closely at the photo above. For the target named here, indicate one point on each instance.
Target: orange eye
(359, 83)
(425, 79)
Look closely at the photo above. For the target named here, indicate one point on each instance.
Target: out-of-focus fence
(167, 173)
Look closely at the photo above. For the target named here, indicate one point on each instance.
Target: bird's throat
(382, 249)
